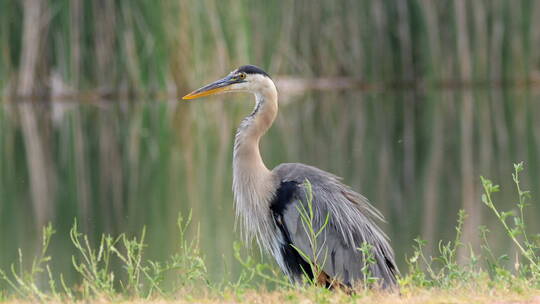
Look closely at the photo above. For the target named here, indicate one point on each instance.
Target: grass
(443, 271)
(115, 269)
(136, 277)
(316, 257)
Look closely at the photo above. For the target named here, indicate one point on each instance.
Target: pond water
(119, 166)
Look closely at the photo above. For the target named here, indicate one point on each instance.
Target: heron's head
(247, 78)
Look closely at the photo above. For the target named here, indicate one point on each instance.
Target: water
(119, 166)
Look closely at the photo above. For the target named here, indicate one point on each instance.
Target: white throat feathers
(254, 185)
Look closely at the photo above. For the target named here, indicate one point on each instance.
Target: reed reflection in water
(119, 166)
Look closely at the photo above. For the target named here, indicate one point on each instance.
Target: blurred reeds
(125, 48)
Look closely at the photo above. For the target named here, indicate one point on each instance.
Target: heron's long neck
(247, 156)
(253, 183)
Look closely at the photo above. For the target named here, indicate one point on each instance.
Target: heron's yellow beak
(221, 85)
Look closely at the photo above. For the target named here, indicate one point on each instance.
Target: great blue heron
(267, 201)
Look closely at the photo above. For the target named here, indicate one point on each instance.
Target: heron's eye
(242, 76)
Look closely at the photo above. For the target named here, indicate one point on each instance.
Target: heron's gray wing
(350, 224)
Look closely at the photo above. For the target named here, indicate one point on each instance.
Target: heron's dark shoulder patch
(283, 197)
(295, 265)
(251, 69)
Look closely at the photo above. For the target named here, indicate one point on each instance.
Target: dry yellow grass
(416, 296)
(431, 296)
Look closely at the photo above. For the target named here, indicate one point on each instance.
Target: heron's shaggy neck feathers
(253, 184)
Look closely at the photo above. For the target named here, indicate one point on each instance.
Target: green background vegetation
(113, 47)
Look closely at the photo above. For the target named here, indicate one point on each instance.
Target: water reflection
(119, 166)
